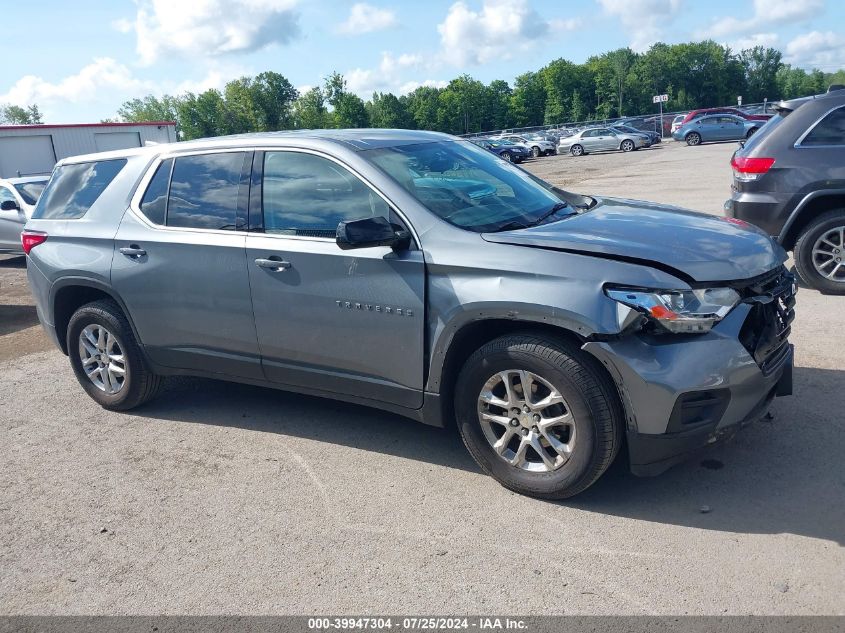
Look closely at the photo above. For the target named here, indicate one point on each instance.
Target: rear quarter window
(829, 131)
(74, 188)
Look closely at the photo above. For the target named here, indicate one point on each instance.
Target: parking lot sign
(660, 98)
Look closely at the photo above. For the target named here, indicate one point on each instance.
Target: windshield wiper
(510, 226)
(549, 213)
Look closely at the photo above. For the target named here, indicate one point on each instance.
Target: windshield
(467, 186)
(30, 191)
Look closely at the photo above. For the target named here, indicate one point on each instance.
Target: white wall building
(28, 150)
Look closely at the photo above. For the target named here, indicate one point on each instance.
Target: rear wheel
(538, 415)
(106, 357)
(820, 253)
(576, 150)
(693, 138)
(751, 132)
(627, 145)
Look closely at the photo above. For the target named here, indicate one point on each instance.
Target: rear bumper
(681, 395)
(767, 210)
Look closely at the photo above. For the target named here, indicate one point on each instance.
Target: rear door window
(829, 131)
(74, 188)
(205, 190)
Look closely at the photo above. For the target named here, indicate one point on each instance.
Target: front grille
(769, 323)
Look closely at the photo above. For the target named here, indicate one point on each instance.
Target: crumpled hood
(701, 247)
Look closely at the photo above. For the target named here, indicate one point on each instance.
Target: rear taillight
(31, 239)
(747, 169)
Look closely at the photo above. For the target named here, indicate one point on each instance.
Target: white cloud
(103, 75)
(765, 40)
(204, 28)
(643, 19)
(122, 25)
(410, 86)
(823, 50)
(766, 13)
(386, 77)
(365, 18)
(498, 30)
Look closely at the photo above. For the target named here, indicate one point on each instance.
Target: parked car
(511, 152)
(17, 201)
(537, 146)
(600, 139)
(720, 127)
(677, 122)
(789, 179)
(650, 137)
(415, 272)
(696, 114)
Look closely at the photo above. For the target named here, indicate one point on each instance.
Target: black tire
(535, 152)
(627, 145)
(693, 139)
(750, 133)
(506, 156)
(589, 393)
(577, 150)
(548, 152)
(140, 384)
(804, 253)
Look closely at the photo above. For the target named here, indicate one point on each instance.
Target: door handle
(133, 250)
(275, 265)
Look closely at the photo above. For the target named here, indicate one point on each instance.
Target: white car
(17, 202)
(677, 122)
(537, 147)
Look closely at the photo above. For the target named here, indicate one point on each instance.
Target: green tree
(273, 97)
(760, 66)
(528, 101)
(309, 110)
(202, 115)
(497, 106)
(17, 115)
(423, 104)
(386, 110)
(460, 106)
(350, 111)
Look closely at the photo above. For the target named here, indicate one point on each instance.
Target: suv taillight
(31, 239)
(748, 169)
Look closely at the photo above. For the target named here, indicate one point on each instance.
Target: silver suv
(417, 273)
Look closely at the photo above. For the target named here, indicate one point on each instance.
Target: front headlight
(679, 311)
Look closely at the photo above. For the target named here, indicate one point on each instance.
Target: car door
(734, 128)
(180, 264)
(589, 141)
(606, 139)
(11, 222)
(329, 320)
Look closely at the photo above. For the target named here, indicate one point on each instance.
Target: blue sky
(79, 61)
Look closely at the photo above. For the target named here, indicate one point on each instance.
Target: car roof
(789, 105)
(25, 179)
(356, 139)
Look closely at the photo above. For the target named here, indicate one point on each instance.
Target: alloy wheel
(102, 358)
(526, 421)
(829, 254)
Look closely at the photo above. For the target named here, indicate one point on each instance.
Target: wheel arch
(69, 294)
(458, 341)
(811, 206)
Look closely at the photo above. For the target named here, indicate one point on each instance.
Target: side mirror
(9, 205)
(369, 232)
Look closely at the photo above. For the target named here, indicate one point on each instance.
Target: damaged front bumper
(682, 393)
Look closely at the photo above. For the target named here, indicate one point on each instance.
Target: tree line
(614, 84)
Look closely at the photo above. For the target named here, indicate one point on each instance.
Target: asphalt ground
(226, 499)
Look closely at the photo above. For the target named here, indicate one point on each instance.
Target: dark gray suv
(789, 179)
(421, 274)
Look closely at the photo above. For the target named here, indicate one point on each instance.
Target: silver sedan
(599, 139)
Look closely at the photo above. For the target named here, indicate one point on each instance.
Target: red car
(694, 114)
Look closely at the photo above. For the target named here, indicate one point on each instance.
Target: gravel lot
(219, 498)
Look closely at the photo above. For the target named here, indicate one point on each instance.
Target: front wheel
(820, 253)
(106, 357)
(535, 152)
(507, 156)
(538, 415)
(627, 145)
(576, 150)
(693, 138)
